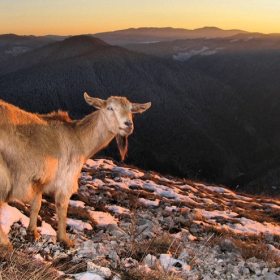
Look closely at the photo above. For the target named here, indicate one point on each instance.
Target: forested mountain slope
(193, 128)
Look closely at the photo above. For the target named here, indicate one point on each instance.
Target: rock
(116, 278)
(173, 265)
(196, 229)
(114, 230)
(269, 238)
(112, 255)
(227, 245)
(271, 276)
(150, 260)
(92, 250)
(87, 276)
(129, 263)
(244, 271)
(102, 271)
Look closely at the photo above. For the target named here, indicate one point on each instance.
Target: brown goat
(44, 154)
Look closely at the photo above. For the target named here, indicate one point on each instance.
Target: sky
(73, 17)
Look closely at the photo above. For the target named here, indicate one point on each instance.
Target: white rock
(88, 276)
(102, 271)
(169, 263)
(150, 260)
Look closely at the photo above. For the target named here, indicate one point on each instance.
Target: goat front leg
(35, 205)
(61, 210)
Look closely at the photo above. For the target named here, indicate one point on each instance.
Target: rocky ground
(130, 224)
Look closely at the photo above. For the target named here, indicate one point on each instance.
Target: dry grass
(249, 246)
(18, 266)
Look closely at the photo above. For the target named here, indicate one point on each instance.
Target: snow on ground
(205, 204)
(117, 209)
(77, 203)
(102, 219)
(10, 215)
(77, 224)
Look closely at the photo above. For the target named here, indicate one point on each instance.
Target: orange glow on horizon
(88, 17)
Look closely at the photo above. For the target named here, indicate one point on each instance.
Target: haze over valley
(214, 93)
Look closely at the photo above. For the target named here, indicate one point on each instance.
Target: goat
(44, 154)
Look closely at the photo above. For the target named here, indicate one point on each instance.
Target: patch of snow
(217, 189)
(97, 182)
(121, 185)
(102, 219)
(272, 205)
(118, 209)
(78, 224)
(187, 187)
(46, 229)
(213, 214)
(149, 202)
(254, 227)
(171, 208)
(128, 172)
(10, 215)
(76, 203)
(242, 197)
(274, 250)
(163, 179)
(88, 276)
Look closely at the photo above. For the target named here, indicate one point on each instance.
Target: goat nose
(128, 123)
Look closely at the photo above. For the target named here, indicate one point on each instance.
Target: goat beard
(122, 142)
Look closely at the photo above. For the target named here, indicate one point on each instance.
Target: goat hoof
(66, 242)
(33, 236)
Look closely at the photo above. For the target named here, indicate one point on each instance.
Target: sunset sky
(72, 17)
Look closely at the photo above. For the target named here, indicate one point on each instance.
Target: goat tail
(122, 142)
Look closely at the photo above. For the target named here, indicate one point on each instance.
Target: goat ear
(95, 102)
(140, 108)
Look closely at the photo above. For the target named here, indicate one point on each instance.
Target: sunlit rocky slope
(128, 223)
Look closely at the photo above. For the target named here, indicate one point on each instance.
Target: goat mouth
(126, 131)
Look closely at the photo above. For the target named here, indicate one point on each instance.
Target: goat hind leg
(35, 206)
(3, 239)
(5, 189)
(61, 210)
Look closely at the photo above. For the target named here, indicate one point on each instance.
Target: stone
(227, 245)
(271, 276)
(150, 260)
(102, 271)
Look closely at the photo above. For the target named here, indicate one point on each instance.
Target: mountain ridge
(146, 34)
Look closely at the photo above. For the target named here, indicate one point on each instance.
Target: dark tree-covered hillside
(193, 128)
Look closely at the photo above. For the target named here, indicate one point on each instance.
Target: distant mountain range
(12, 45)
(215, 101)
(148, 35)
